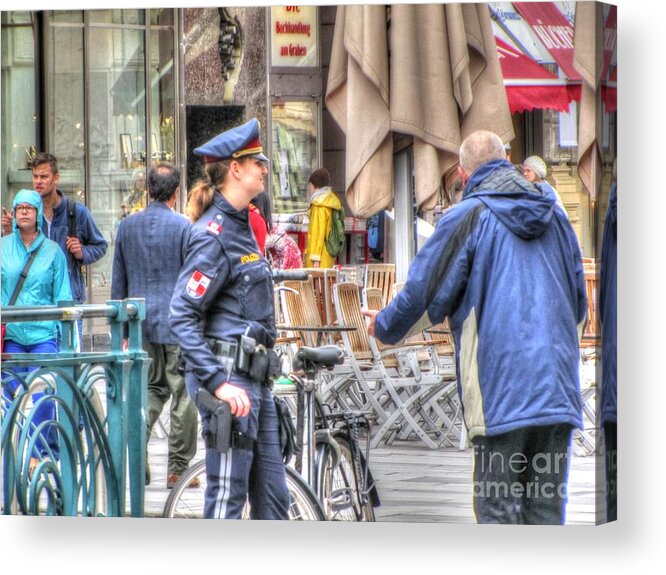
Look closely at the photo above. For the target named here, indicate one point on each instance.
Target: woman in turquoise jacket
(47, 283)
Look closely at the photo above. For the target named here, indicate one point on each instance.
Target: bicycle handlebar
(289, 275)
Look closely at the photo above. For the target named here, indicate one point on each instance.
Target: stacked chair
(382, 277)
(409, 390)
(585, 440)
(389, 380)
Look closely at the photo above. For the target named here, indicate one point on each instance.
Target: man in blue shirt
(150, 250)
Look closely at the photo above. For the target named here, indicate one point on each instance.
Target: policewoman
(222, 314)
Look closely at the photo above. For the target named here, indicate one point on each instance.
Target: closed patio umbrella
(594, 44)
(357, 97)
(430, 71)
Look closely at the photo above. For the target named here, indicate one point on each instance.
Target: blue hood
(525, 209)
(32, 198)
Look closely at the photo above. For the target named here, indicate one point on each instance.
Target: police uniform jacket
(224, 290)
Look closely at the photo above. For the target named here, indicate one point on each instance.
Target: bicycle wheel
(342, 498)
(304, 504)
(188, 503)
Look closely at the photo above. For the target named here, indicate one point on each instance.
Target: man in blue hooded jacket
(608, 316)
(505, 267)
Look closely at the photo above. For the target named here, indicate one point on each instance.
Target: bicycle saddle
(319, 357)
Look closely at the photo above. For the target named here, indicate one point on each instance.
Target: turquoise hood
(28, 197)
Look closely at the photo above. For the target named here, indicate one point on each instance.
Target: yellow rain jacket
(322, 204)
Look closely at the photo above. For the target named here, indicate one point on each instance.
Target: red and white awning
(554, 31)
(528, 33)
(528, 85)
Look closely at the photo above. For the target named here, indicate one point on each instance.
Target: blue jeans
(256, 475)
(46, 411)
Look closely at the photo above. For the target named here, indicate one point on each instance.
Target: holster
(219, 432)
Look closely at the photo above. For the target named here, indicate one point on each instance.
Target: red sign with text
(554, 31)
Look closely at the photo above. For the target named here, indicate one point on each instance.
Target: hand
(7, 219)
(372, 314)
(315, 264)
(236, 397)
(74, 246)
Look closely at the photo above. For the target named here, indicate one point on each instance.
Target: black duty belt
(248, 359)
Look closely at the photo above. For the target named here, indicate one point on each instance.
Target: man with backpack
(64, 221)
(326, 226)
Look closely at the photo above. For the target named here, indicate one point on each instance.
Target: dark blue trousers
(241, 474)
(520, 477)
(610, 439)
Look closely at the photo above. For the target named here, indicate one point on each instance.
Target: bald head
(479, 148)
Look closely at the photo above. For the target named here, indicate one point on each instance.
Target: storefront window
(111, 101)
(294, 153)
(65, 117)
(67, 16)
(163, 115)
(119, 16)
(118, 141)
(19, 118)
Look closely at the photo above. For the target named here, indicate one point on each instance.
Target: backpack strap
(71, 217)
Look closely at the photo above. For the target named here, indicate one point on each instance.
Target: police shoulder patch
(214, 227)
(249, 258)
(197, 285)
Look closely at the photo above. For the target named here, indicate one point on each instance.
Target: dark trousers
(610, 438)
(520, 477)
(240, 475)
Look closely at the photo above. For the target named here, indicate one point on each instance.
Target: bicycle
(338, 484)
(337, 469)
(187, 503)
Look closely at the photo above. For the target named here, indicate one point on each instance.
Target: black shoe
(147, 482)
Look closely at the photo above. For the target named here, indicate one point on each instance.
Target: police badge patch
(197, 285)
(214, 228)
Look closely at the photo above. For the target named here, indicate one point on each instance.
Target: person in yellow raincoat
(322, 203)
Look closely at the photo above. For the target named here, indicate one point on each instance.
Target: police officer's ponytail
(201, 195)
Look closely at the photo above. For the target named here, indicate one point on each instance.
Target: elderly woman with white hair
(534, 169)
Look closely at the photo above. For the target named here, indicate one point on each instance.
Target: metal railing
(78, 460)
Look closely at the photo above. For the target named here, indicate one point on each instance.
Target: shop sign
(554, 31)
(294, 36)
(520, 31)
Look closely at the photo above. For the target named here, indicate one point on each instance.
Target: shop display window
(294, 152)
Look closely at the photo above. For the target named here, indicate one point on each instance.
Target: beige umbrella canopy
(426, 70)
